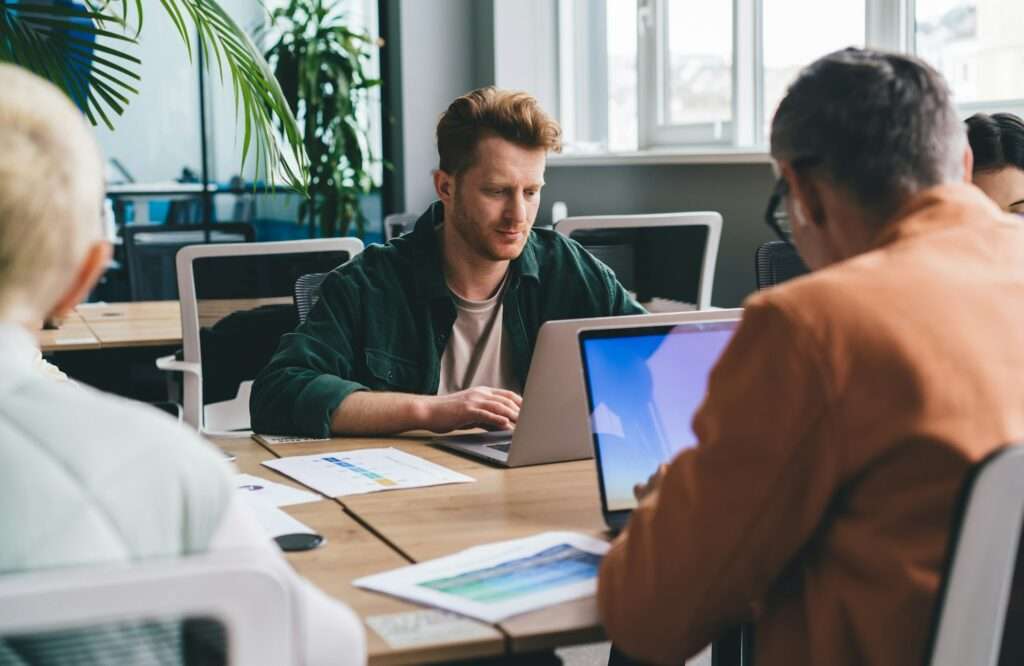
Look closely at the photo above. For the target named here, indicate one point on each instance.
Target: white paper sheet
(274, 521)
(499, 580)
(277, 494)
(364, 471)
(426, 627)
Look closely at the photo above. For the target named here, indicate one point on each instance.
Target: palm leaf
(59, 44)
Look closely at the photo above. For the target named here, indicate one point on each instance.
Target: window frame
(888, 25)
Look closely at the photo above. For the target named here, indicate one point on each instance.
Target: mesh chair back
(150, 250)
(307, 292)
(777, 262)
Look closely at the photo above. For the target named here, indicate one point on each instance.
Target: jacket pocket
(391, 372)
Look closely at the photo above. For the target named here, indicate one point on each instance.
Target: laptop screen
(643, 387)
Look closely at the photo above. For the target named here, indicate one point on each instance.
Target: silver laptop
(552, 423)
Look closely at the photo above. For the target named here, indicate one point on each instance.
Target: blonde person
(89, 478)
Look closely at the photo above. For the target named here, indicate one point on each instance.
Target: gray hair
(880, 125)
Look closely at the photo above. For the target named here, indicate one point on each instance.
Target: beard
(482, 238)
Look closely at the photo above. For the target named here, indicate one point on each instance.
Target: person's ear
(805, 197)
(97, 257)
(968, 159)
(444, 186)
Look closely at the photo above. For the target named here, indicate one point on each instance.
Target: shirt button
(391, 374)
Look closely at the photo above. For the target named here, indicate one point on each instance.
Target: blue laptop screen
(643, 388)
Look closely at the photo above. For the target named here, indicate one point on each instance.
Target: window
(707, 76)
(978, 46)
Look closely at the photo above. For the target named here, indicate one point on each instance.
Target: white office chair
(249, 597)
(239, 299)
(682, 247)
(397, 224)
(975, 605)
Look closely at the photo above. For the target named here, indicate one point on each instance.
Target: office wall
(738, 191)
(438, 43)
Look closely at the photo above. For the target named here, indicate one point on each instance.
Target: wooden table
(426, 523)
(117, 325)
(353, 551)
(74, 334)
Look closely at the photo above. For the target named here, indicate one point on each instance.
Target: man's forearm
(368, 413)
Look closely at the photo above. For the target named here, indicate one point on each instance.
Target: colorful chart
(373, 476)
(548, 569)
(341, 473)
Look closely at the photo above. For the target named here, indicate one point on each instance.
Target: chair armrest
(172, 364)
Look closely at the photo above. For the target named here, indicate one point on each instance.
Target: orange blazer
(837, 430)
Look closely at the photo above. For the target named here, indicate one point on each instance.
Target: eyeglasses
(776, 216)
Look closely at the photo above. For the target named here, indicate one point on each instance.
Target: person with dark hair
(435, 330)
(997, 142)
(841, 421)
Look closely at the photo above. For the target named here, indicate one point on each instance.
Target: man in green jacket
(435, 330)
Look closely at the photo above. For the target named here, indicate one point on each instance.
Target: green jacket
(383, 320)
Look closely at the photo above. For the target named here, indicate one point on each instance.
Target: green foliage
(320, 64)
(53, 41)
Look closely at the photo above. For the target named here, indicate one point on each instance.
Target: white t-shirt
(477, 353)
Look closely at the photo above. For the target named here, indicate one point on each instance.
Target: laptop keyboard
(499, 447)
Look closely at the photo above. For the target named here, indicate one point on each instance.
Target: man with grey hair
(841, 421)
(90, 478)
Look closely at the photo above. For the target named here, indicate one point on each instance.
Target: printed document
(499, 580)
(365, 471)
(273, 520)
(277, 494)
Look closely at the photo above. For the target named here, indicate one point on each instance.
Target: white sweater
(88, 478)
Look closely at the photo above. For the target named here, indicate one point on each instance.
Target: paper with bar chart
(364, 471)
(500, 580)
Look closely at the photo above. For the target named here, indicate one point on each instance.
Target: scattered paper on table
(364, 471)
(499, 580)
(272, 440)
(425, 627)
(277, 494)
(274, 521)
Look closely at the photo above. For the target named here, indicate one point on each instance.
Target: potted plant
(320, 64)
(58, 40)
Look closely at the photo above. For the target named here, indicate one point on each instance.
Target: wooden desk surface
(115, 333)
(353, 551)
(117, 325)
(73, 335)
(141, 310)
(426, 523)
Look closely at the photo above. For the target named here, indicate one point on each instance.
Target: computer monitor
(643, 387)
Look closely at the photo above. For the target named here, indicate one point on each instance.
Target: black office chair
(150, 250)
(776, 262)
(307, 292)
(979, 614)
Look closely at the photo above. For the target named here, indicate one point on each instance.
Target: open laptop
(643, 386)
(552, 424)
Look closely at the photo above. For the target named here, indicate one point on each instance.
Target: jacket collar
(942, 207)
(429, 272)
